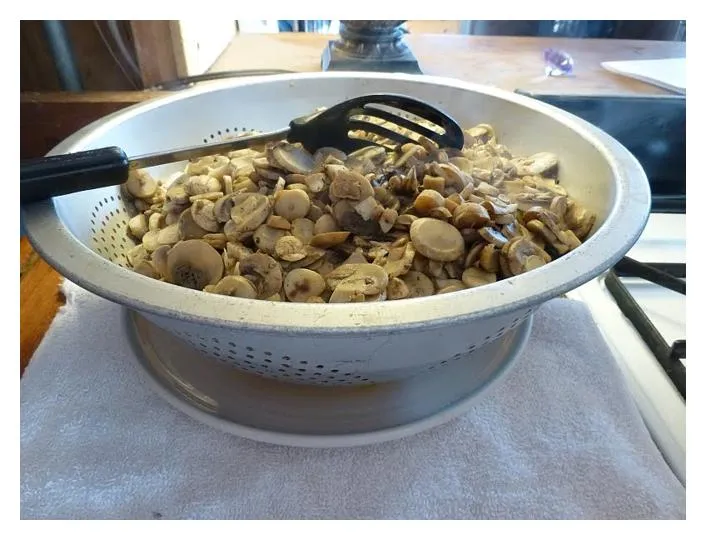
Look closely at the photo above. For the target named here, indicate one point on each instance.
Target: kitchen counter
(506, 62)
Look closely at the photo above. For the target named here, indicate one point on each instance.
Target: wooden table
(506, 62)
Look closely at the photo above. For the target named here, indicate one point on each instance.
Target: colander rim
(620, 230)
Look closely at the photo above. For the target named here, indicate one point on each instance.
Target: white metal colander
(83, 235)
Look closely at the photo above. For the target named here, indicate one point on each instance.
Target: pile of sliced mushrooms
(280, 224)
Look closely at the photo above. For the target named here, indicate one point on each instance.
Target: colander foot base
(276, 412)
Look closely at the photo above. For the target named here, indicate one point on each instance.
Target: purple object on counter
(557, 63)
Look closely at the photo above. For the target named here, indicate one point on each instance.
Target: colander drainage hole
(319, 367)
(334, 371)
(267, 353)
(286, 365)
(303, 362)
(232, 344)
(249, 349)
(286, 358)
(249, 356)
(267, 360)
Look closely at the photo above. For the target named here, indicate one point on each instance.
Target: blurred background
(137, 55)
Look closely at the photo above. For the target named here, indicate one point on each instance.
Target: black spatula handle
(52, 176)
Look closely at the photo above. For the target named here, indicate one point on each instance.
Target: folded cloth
(558, 438)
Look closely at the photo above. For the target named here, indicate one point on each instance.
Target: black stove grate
(667, 275)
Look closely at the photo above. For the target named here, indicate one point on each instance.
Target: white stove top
(661, 405)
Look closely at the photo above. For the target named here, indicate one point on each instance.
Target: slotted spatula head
(337, 125)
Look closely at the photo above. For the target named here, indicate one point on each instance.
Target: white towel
(558, 438)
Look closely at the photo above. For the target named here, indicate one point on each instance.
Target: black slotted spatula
(52, 176)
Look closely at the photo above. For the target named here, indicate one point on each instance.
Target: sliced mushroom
(203, 213)
(418, 284)
(348, 219)
(249, 211)
(216, 240)
(138, 226)
(489, 259)
(194, 264)
(290, 249)
(301, 284)
(397, 289)
(291, 157)
(202, 184)
(159, 259)
(136, 254)
(357, 282)
(151, 240)
(147, 269)
(387, 219)
(492, 236)
(292, 204)
(436, 239)
(329, 239)
(470, 215)
(303, 229)
(347, 184)
(140, 184)
(475, 277)
(169, 235)
(278, 222)
(237, 286)
(427, 200)
(188, 228)
(540, 164)
(155, 221)
(264, 272)
(266, 237)
(521, 255)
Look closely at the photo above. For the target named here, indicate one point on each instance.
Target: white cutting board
(669, 73)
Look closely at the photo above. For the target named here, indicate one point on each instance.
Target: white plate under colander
(270, 411)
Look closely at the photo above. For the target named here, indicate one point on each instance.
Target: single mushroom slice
(540, 164)
(301, 284)
(136, 254)
(292, 204)
(347, 184)
(216, 240)
(329, 239)
(236, 286)
(291, 157)
(212, 196)
(147, 269)
(475, 277)
(169, 235)
(303, 229)
(348, 219)
(489, 259)
(492, 236)
(316, 183)
(397, 289)
(159, 259)
(155, 221)
(436, 240)
(418, 284)
(249, 211)
(264, 272)
(188, 229)
(581, 221)
(278, 222)
(194, 264)
(445, 286)
(470, 216)
(428, 200)
(521, 255)
(138, 226)
(151, 240)
(266, 237)
(356, 257)
(202, 184)
(140, 184)
(177, 194)
(290, 249)
(365, 280)
(387, 220)
(203, 213)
